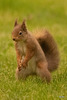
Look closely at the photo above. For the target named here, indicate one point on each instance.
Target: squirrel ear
(24, 25)
(15, 24)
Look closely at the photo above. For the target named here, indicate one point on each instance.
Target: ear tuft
(24, 25)
(15, 23)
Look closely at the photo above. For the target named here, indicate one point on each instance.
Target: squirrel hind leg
(43, 72)
(22, 74)
(19, 74)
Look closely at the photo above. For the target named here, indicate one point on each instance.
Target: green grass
(51, 14)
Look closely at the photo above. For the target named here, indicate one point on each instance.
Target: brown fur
(49, 47)
(30, 56)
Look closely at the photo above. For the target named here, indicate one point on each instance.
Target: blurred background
(38, 12)
(51, 14)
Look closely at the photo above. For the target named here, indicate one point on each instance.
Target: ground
(51, 14)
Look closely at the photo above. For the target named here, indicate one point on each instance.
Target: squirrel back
(49, 48)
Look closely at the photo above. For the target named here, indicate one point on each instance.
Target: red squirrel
(35, 54)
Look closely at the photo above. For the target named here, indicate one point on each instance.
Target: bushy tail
(49, 47)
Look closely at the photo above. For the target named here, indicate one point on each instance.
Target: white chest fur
(22, 47)
(31, 63)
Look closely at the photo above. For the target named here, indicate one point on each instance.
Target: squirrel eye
(20, 33)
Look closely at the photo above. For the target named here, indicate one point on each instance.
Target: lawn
(51, 14)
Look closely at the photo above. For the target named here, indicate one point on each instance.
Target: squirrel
(37, 54)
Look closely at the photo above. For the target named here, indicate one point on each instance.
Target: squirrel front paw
(19, 66)
(24, 64)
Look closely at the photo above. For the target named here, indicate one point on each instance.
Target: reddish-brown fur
(49, 48)
(33, 57)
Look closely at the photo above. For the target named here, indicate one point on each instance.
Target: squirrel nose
(13, 39)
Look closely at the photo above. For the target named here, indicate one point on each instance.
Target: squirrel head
(20, 32)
